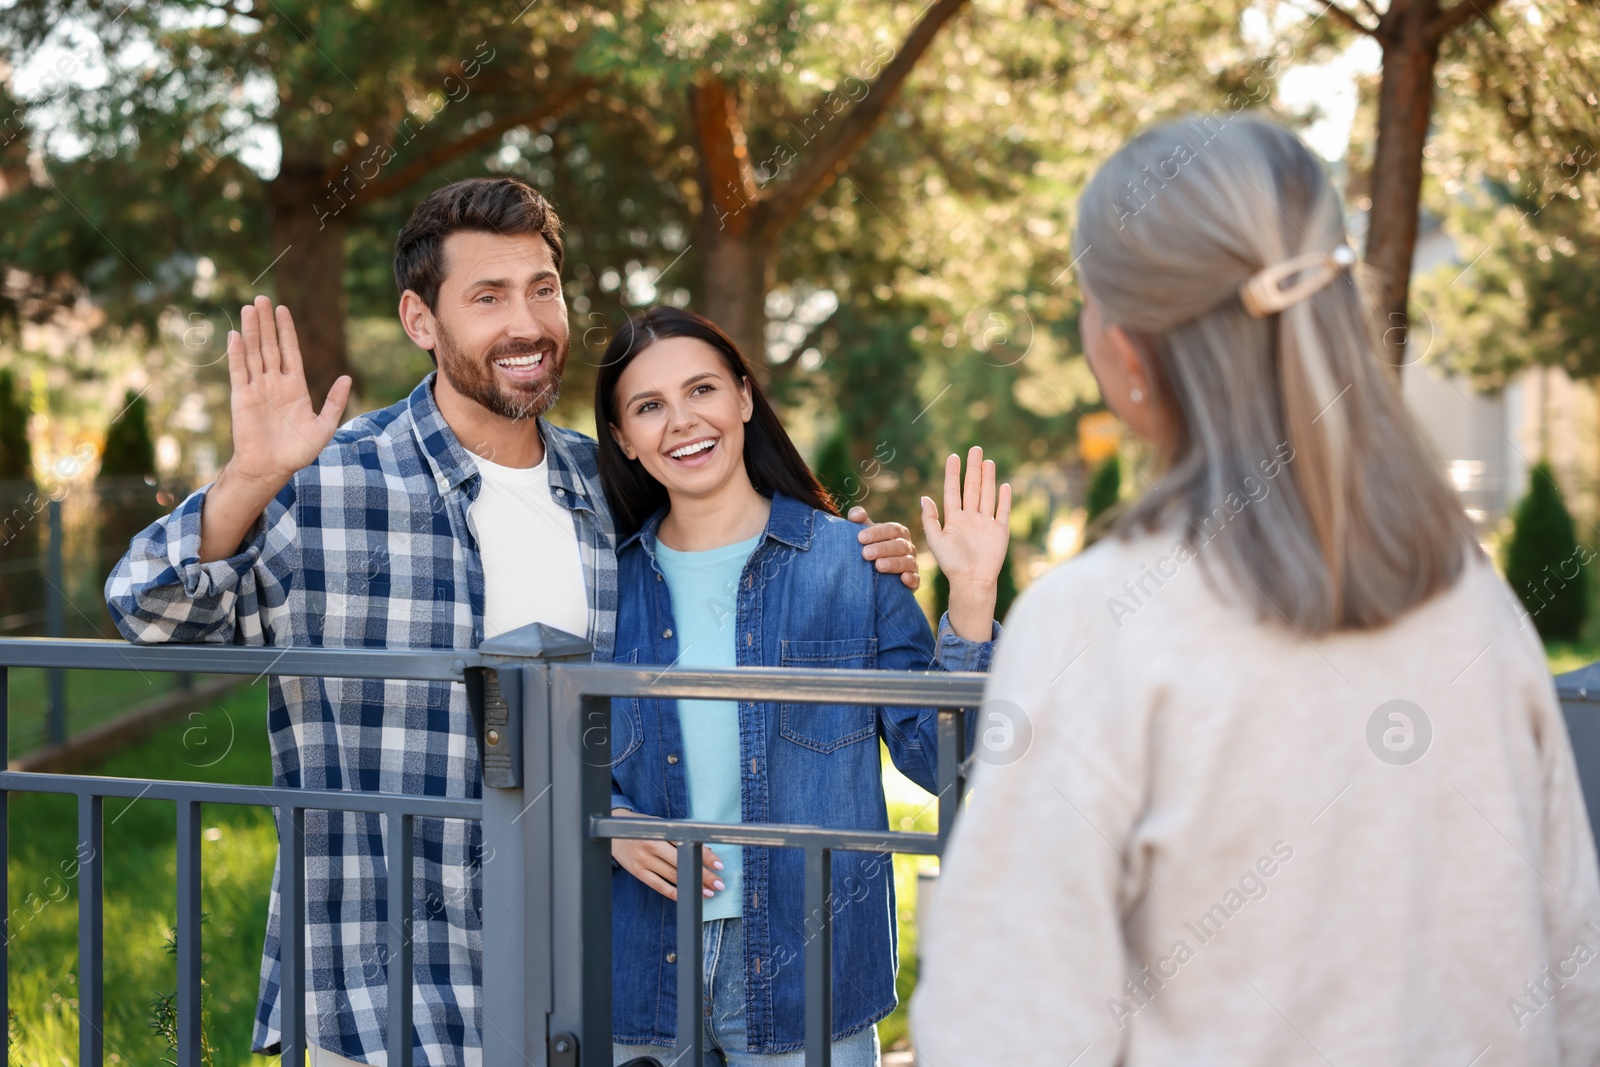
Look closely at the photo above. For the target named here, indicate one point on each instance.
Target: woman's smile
(694, 453)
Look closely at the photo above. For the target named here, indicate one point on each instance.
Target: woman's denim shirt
(807, 599)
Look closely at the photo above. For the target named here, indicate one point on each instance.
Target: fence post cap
(536, 641)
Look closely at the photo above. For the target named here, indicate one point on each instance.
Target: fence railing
(56, 549)
(543, 716)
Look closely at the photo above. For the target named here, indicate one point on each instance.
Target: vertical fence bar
(400, 850)
(516, 921)
(91, 933)
(819, 957)
(952, 782)
(580, 869)
(691, 965)
(189, 1006)
(55, 625)
(292, 937)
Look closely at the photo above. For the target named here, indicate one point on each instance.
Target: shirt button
(749, 638)
(672, 757)
(561, 492)
(672, 957)
(752, 766)
(750, 582)
(667, 632)
(659, 578)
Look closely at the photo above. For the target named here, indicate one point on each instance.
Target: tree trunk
(740, 223)
(737, 273)
(309, 273)
(1405, 105)
(736, 256)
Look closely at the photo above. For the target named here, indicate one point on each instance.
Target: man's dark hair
(504, 206)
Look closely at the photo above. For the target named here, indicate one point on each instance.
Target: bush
(16, 455)
(129, 452)
(1544, 561)
(833, 470)
(1105, 489)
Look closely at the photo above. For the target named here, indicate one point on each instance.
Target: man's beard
(475, 378)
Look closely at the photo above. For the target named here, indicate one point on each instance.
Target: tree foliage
(915, 296)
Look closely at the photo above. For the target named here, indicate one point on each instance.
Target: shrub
(16, 455)
(129, 452)
(1544, 562)
(1105, 489)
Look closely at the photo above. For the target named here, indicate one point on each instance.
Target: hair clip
(1262, 294)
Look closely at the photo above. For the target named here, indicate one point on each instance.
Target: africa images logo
(1399, 732)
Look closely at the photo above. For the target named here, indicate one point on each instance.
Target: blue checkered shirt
(368, 547)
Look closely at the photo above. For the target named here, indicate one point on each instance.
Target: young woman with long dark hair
(733, 554)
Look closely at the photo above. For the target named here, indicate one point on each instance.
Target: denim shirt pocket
(828, 727)
(627, 719)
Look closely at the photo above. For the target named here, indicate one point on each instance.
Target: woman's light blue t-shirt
(704, 588)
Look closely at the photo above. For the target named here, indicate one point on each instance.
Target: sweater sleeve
(1023, 951)
(1570, 884)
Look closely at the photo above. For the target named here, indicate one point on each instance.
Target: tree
(1544, 562)
(911, 168)
(1509, 85)
(353, 95)
(129, 452)
(16, 454)
(740, 220)
(1527, 299)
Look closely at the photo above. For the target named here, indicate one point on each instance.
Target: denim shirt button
(672, 757)
(666, 633)
(659, 578)
(672, 957)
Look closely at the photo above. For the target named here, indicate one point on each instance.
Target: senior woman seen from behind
(1298, 789)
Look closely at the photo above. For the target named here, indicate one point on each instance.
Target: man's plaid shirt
(368, 547)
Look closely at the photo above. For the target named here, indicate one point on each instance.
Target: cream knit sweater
(1225, 845)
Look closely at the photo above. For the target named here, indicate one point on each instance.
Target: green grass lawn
(140, 896)
(93, 697)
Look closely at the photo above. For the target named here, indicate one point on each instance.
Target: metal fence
(56, 549)
(543, 714)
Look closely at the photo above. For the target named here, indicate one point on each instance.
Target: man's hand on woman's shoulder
(887, 546)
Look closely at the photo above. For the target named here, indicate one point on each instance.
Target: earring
(1136, 395)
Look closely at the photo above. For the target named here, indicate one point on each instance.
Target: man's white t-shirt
(531, 573)
(531, 568)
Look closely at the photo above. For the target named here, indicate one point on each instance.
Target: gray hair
(1364, 527)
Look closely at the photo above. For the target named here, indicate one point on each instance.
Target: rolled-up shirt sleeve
(160, 592)
(958, 654)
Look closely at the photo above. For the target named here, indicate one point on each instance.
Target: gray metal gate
(544, 725)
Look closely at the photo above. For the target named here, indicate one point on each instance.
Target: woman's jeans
(723, 1016)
